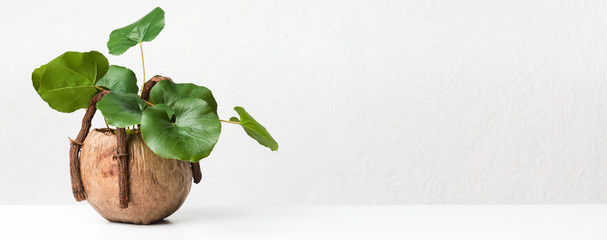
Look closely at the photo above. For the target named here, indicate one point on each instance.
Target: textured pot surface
(158, 186)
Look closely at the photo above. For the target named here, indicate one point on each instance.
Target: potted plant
(140, 171)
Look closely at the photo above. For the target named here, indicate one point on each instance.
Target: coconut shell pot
(123, 177)
(158, 186)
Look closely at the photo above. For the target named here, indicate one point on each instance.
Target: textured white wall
(372, 102)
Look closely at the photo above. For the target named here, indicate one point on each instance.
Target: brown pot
(158, 186)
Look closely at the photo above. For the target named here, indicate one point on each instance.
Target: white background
(372, 102)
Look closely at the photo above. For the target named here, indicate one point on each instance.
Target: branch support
(122, 155)
(76, 144)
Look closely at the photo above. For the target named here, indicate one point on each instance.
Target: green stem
(232, 122)
(143, 65)
(149, 103)
(108, 126)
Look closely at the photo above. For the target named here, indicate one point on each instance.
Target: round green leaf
(169, 93)
(254, 129)
(119, 79)
(191, 137)
(67, 83)
(121, 109)
(144, 30)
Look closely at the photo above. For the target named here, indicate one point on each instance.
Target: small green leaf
(234, 119)
(67, 83)
(190, 138)
(169, 93)
(119, 79)
(255, 130)
(121, 109)
(144, 30)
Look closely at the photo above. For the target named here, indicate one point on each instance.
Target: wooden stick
(196, 173)
(122, 152)
(76, 144)
(145, 92)
(122, 155)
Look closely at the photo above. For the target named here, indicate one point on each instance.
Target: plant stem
(108, 126)
(149, 103)
(232, 122)
(143, 65)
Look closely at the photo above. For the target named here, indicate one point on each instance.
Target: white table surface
(316, 222)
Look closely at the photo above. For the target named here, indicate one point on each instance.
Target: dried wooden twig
(122, 155)
(76, 144)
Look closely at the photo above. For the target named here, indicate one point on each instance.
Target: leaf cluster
(178, 122)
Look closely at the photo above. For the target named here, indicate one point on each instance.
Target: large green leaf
(169, 93)
(67, 83)
(119, 79)
(254, 129)
(122, 109)
(190, 138)
(144, 30)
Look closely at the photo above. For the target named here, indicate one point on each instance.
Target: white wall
(372, 102)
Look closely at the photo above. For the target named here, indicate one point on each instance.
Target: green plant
(178, 121)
